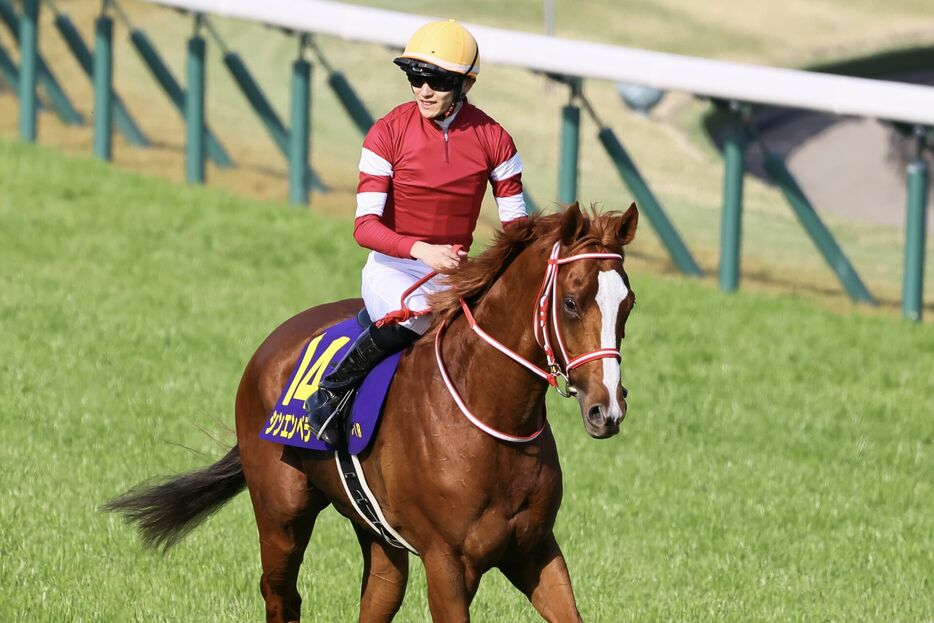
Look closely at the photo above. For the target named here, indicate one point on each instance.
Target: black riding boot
(328, 404)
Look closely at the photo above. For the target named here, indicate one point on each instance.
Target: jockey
(423, 173)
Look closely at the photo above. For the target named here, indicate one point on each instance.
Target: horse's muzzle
(601, 420)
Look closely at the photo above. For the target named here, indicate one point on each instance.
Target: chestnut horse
(464, 499)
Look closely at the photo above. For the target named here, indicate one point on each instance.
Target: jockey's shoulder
(477, 115)
(395, 120)
(402, 110)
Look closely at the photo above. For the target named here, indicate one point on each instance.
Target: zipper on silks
(446, 160)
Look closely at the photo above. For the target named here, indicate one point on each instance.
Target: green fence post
(254, 94)
(11, 75)
(29, 34)
(298, 136)
(915, 234)
(160, 71)
(194, 108)
(816, 229)
(734, 157)
(44, 77)
(570, 146)
(79, 49)
(165, 78)
(103, 86)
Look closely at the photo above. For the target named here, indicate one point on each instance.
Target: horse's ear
(572, 224)
(626, 225)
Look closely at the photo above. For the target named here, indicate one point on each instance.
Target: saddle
(288, 423)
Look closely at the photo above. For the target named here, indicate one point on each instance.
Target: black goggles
(435, 83)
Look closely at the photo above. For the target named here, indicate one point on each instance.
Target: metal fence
(111, 113)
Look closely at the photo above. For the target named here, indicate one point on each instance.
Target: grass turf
(775, 465)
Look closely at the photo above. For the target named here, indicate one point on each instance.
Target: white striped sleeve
(372, 163)
(507, 169)
(370, 203)
(511, 208)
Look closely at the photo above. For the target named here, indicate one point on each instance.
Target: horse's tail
(166, 511)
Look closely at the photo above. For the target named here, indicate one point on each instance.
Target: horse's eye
(570, 305)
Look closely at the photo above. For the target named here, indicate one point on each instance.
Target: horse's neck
(498, 390)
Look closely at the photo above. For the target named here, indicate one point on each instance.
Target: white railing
(712, 78)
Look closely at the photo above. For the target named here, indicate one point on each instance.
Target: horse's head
(592, 301)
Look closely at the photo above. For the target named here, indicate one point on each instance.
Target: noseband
(547, 298)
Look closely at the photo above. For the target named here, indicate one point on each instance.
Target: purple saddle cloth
(288, 423)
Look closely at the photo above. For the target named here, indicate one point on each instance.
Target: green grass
(775, 465)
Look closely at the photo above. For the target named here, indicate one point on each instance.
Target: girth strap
(363, 500)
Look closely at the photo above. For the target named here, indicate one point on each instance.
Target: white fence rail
(719, 79)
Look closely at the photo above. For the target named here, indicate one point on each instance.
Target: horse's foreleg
(543, 577)
(385, 575)
(451, 586)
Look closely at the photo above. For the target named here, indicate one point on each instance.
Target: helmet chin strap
(458, 95)
(450, 111)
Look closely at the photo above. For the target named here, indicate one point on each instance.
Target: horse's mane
(479, 274)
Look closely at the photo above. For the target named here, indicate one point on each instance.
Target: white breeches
(385, 278)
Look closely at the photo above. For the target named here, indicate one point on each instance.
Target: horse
(464, 464)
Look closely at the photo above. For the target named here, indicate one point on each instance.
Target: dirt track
(850, 167)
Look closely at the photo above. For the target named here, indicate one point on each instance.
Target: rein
(547, 297)
(404, 313)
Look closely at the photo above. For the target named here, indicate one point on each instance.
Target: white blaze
(611, 291)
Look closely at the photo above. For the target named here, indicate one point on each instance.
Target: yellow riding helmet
(441, 48)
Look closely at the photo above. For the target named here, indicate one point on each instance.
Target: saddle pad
(288, 422)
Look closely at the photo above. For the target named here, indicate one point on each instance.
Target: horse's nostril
(625, 392)
(595, 415)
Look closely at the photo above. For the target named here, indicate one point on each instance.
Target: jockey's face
(434, 104)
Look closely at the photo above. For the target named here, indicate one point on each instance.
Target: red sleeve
(370, 233)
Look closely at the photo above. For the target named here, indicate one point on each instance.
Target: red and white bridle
(547, 298)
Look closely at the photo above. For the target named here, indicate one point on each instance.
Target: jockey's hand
(444, 258)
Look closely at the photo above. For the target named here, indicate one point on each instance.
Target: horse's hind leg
(385, 575)
(286, 507)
